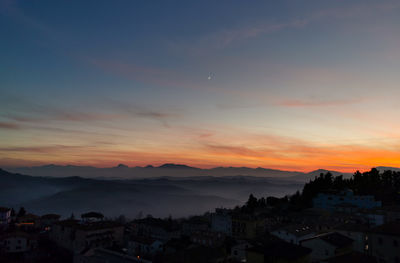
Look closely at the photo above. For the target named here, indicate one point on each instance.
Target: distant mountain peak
(121, 165)
(176, 166)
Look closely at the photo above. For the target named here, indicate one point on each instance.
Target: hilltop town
(332, 219)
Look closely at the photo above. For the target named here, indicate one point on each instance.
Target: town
(331, 220)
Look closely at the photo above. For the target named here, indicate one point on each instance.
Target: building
(156, 228)
(194, 224)
(48, 220)
(328, 245)
(208, 238)
(247, 227)
(5, 216)
(372, 217)
(239, 251)
(17, 242)
(92, 217)
(294, 233)
(221, 221)
(357, 232)
(344, 201)
(144, 246)
(277, 251)
(77, 236)
(102, 255)
(384, 242)
(28, 222)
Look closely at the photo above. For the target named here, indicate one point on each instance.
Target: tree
(21, 212)
(252, 202)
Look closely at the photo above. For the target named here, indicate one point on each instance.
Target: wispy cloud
(26, 111)
(317, 102)
(9, 126)
(40, 149)
(223, 38)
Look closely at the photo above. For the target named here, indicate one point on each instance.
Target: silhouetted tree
(21, 212)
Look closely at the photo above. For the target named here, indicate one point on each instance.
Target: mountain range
(166, 170)
(159, 196)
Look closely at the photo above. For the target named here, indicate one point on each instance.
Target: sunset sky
(289, 84)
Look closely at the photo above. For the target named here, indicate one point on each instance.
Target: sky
(290, 84)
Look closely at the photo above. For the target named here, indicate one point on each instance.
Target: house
(294, 233)
(208, 238)
(102, 255)
(92, 217)
(17, 242)
(239, 250)
(384, 242)
(48, 220)
(392, 213)
(194, 224)
(221, 221)
(373, 217)
(344, 201)
(277, 251)
(28, 221)
(197, 254)
(77, 236)
(5, 216)
(247, 226)
(357, 232)
(328, 245)
(156, 228)
(144, 246)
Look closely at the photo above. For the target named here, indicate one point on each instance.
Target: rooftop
(297, 230)
(333, 238)
(280, 249)
(88, 226)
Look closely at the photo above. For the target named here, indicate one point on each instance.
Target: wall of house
(16, 244)
(320, 249)
(329, 201)
(5, 217)
(221, 223)
(385, 247)
(360, 239)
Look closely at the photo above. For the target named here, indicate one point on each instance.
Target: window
(326, 252)
(395, 243)
(380, 241)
